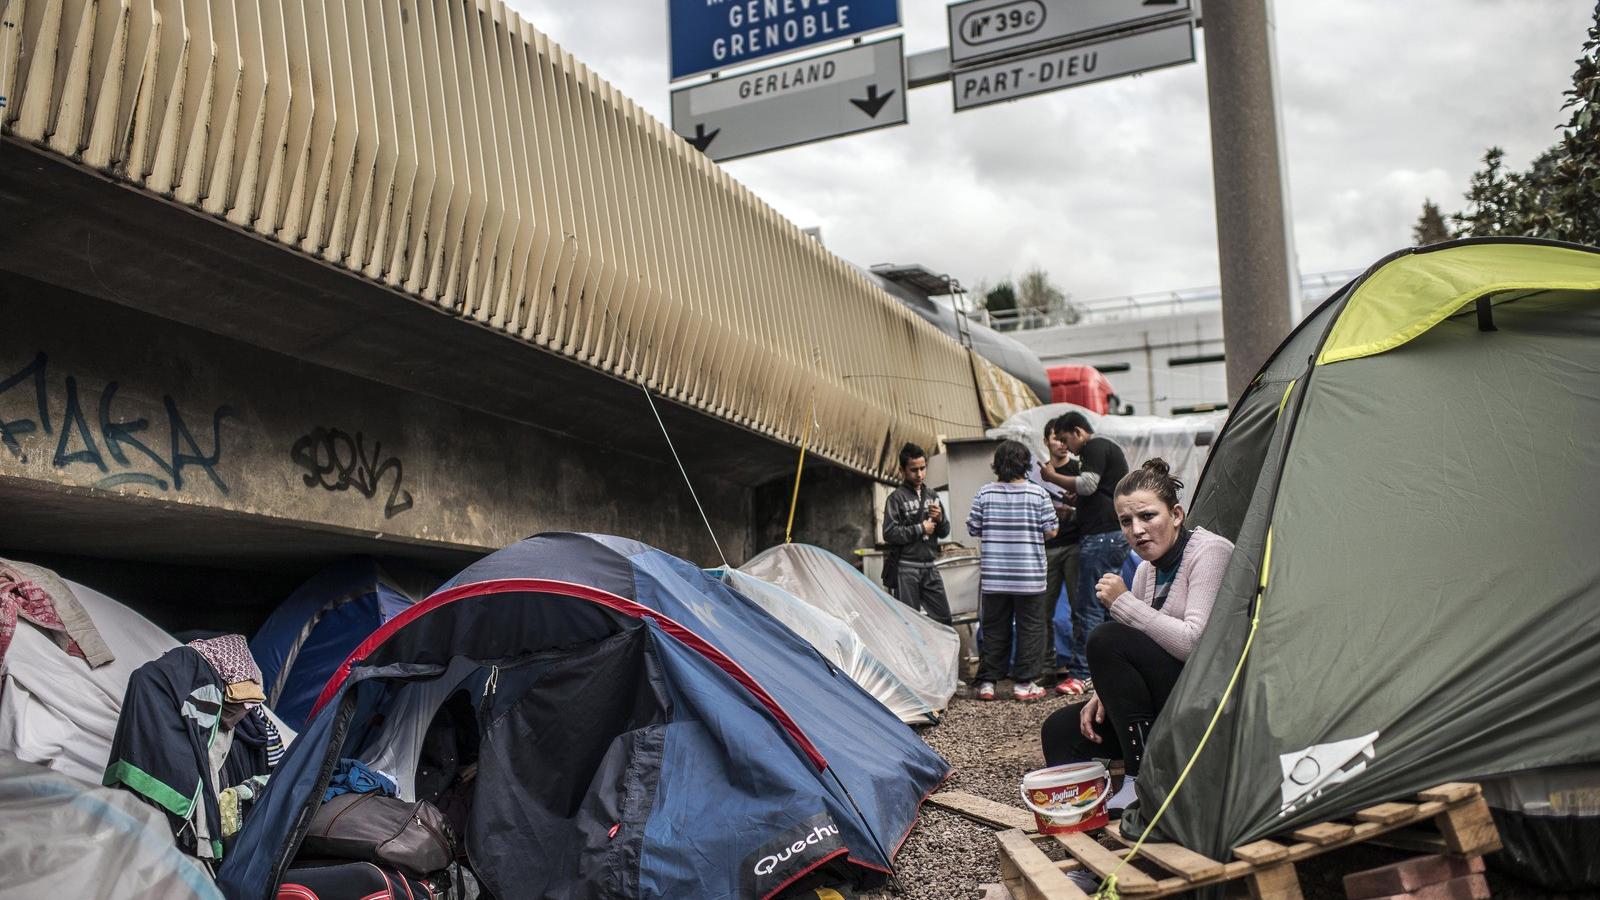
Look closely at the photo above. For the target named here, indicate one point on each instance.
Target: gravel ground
(991, 746)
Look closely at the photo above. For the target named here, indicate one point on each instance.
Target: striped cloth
(1012, 519)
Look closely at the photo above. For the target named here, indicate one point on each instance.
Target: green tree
(1430, 227)
(1572, 186)
(1001, 298)
(1559, 196)
(1491, 200)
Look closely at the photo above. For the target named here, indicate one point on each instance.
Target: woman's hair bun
(1155, 476)
(1157, 466)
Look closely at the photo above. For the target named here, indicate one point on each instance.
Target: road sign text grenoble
(1056, 69)
(986, 28)
(708, 35)
(843, 92)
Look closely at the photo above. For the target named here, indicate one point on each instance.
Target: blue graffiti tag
(76, 444)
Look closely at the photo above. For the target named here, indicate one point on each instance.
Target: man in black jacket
(1101, 546)
(913, 523)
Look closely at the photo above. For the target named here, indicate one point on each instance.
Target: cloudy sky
(1108, 186)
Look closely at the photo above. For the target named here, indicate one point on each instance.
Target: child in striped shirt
(1014, 518)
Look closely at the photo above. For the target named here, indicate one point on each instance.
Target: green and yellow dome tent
(1412, 483)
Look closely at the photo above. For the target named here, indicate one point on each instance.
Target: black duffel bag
(412, 837)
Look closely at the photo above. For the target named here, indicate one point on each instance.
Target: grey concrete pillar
(1259, 281)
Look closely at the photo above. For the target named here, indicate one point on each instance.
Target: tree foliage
(1000, 298)
(1039, 296)
(1430, 227)
(1030, 301)
(1558, 196)
(1036, 292)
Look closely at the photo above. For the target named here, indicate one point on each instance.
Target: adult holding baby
(1136, 657)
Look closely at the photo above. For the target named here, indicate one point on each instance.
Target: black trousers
(921, 587)
(999, 610)
(1133, 677)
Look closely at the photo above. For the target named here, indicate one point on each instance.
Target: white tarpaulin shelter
(65, 838)
(1183, 441)
(837, 642)
(55, 710)
(918, 651)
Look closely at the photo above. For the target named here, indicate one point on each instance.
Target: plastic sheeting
(1549, 822)
(1183, 441)
(58, 712)
(920, 652)
(64, 838)
(836, 642)
(54, 709)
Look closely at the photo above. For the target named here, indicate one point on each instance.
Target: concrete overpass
(283, 280)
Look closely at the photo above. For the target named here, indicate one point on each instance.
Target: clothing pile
(194, 741)
(38, 596)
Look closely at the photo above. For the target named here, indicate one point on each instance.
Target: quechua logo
(791, 853)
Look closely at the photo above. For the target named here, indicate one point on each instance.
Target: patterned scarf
(20, 598)
(230, 656)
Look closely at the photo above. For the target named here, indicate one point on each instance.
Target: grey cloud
(1109, 185)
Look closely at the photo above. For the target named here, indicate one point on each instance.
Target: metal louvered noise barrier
(451, 151)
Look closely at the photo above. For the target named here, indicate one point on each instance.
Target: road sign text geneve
(981, 29)
(1052, 70)
(831, 94)
(710, 35)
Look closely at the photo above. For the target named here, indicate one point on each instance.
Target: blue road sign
(708, 35)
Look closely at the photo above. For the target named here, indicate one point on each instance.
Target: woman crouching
(1135, 659)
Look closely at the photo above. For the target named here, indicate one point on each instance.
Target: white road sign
(1052, 70)
(813, 99)
(986, 28)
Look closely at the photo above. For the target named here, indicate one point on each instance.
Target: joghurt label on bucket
(1067, 798)
(793, 852)
(1064, 796)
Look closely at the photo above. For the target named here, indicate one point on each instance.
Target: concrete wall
(207, 450)
(835, 511)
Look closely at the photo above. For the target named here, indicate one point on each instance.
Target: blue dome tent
(311, 632)
(643, 731)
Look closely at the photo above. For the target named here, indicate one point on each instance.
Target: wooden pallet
(1464, 828)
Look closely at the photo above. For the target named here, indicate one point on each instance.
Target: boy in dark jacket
(913, 523)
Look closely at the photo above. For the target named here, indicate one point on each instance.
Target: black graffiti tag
(335, 461)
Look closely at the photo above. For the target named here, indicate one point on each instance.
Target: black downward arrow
(873, 104)
(701, 139)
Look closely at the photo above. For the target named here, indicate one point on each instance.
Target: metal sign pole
(1253, 247)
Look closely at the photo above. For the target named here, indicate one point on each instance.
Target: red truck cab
(1083, 385)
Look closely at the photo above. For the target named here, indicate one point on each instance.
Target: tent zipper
(487, 702)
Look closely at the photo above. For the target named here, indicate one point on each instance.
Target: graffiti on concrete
(126, 459)
(336, 461)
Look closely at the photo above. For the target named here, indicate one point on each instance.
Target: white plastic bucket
(1068, 798)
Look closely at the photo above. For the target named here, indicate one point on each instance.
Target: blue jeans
(1099, 554)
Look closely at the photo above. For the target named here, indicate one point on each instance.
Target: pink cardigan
(1176, 626)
